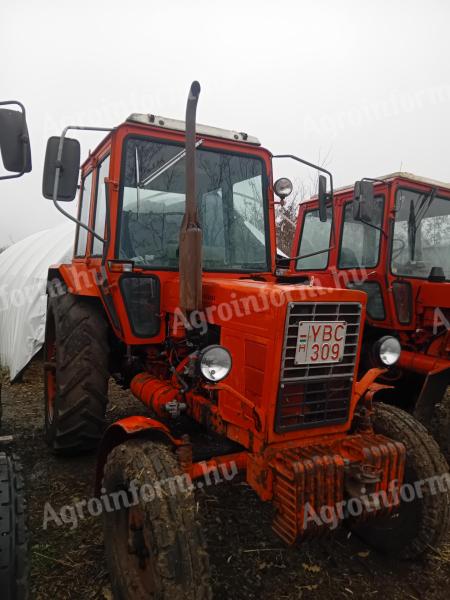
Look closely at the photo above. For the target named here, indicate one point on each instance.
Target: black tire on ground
(154, 548)
(440, 424)
(14, 565)
(420, 525)
(76, 374)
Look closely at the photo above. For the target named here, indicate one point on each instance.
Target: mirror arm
(24, 141)
(374, 226)
(58, 173)
(15, 176)
(308, 164)
(375, 180)
(331, 195)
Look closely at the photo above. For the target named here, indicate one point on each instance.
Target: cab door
(360, 257)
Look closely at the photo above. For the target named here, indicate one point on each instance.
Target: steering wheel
(398, 251)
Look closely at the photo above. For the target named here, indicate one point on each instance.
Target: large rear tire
(154, 547)
(76, 374)
(421, 524)
(440, 424)
(14, 565)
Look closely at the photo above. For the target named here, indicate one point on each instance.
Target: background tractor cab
(393, 242)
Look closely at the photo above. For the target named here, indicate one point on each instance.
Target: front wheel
(423, 517)
(153, 541)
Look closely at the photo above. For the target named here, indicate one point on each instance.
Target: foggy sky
(361, 87)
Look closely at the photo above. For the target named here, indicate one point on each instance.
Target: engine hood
(252, 303)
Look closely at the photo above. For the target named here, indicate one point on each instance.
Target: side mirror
(363, 201)
(323, 197)
(14, 141)
(68, 172)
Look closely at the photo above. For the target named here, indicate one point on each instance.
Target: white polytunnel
(23, 300)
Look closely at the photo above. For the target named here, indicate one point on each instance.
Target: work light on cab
(283, 187)
(387, 350)
(215, 363)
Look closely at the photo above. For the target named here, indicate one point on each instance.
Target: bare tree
(286, 215)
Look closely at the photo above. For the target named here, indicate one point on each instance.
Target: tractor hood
(239, 302)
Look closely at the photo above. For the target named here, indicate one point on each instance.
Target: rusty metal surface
(153, 392)
(190, 264)
(307, 481)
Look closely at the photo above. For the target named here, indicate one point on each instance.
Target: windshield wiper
(300, 256)
(170, 163)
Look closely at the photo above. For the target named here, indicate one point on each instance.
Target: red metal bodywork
(420, 340)
(243, 407)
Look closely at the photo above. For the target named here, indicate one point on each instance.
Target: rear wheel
(14, 564)
(440, 424)
(153, 540)
(76, 374)
(420, 524)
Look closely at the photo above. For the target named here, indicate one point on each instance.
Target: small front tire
(153, 542)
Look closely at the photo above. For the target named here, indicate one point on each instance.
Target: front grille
(314, 395)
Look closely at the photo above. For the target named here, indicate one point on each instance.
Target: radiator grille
(316, 395)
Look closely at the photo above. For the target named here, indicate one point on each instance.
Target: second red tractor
(390, 237)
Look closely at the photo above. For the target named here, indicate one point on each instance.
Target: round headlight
(283, 187)
(215, 363)
(388, 350)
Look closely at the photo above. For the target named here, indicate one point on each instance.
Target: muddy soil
(247, 560)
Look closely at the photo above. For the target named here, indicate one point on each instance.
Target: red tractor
(174, 291)
(390, 237)
(16, 157)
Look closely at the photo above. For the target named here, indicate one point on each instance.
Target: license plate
(320, 342)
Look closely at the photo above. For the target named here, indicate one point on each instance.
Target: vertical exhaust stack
(191, 232)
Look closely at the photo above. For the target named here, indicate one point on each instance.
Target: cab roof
(175, 124)
(403, 175)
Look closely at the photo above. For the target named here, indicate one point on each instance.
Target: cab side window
(100, 207)
(85, 205)
(360, 242)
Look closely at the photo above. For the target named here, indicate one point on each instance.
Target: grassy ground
(248, 561)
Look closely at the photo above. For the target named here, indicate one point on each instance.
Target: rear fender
(431, 393)
(125, 429)
(76, 278)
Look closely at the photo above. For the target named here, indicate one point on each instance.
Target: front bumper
(314, 488)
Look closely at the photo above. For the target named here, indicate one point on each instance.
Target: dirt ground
(247, 560)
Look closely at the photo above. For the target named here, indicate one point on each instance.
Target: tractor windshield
(231, 199)
(421, 238)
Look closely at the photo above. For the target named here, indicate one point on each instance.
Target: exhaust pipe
(190, 259)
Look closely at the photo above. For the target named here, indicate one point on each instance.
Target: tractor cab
(132, 206)
(389, 237)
